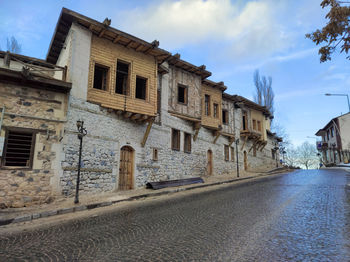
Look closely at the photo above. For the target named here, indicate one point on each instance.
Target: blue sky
(232, 38)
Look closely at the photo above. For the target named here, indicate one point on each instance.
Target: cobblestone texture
(302, 216)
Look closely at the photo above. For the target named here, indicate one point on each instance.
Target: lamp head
(327, 94)
(79, 124)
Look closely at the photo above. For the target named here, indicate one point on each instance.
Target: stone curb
(61, 211)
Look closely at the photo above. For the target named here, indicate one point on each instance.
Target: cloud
(244, 29)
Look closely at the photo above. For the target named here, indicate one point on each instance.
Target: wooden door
(126, 168)
(245, 160)
(210, 162)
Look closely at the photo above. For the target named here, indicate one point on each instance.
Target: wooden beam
(139, 48)
(127, 114)
(102, 32)
(148, 129)
(91, 27)
(245, 141)
(142, 118)
(115, 40)
(129, 44)
(216, 134)
(135, 116)
(231, 140)
(265, 143)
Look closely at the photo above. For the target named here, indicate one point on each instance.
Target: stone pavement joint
(60, 211)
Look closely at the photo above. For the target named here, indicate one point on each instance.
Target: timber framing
(103, 30)
(148, 130)
(184, 116)
(175, 60)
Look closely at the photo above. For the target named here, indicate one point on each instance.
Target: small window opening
(226, 152)
(216, 108)
(18, 149)
(244, 120)
(254, 124)
(182, 94)
(207, 105)
(100, 77)
(122, 78)
(187, 143)
(155, 154)
(224, 117)
(141, 87)
(175, 139)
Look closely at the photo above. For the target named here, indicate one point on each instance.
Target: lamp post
(237, 142)
(340, 95)
(275, 149)
(82, 132)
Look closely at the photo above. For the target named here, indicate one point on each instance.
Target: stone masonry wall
(43, 112)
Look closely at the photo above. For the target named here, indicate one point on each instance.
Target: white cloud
(249, 29)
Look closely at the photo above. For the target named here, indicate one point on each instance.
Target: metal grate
(18, 149)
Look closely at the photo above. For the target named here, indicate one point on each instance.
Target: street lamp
(340, 95)
(82, 132)
(237, 142)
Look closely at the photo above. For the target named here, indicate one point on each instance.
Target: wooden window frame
(185, 88)
(127, 91)
(105, 67)
(216, 110)
(173, 145)
(226, 152)
(32, 148)
(225, 117)
(187, 143)
(146, 87)
(245, 121)
(207, 105)
(254, 125)
(259, 126)
(232, 149)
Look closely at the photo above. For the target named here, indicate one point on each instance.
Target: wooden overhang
(242, 101)
(217, 85)
(175, 60)
(26, 59)
(27, 78)
(274, 135)
(67, 17)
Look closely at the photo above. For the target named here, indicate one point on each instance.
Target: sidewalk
(87, 202)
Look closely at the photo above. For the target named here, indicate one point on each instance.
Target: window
(155, 154)
(187, 143)
(244, 121)
(100, 77)
(182, 94)
(232, 154)
(254, 124)
(141, 87)
(122, 78)
(332, 131)
(226, 152)
(259, 126)
(207, 105)
(327, 135)
(19, 148)
(175, 139)
(224, 117)
(216, 110)
(273, 153)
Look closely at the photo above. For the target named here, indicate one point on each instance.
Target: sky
(232, 38)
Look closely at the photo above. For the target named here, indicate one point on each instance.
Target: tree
(264, 95)
(306, 156)
(13, 46)
(336, 32)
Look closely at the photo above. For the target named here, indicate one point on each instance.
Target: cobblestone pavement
(300, 216)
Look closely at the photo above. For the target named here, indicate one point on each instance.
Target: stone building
(335, 144)
(33, 113)
(149, 115)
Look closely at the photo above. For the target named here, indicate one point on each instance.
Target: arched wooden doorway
(245, 160)
(210, 162)
(126, 168)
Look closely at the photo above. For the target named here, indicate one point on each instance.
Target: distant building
(335, 144)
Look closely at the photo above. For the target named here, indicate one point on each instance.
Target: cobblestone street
(300, 216)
